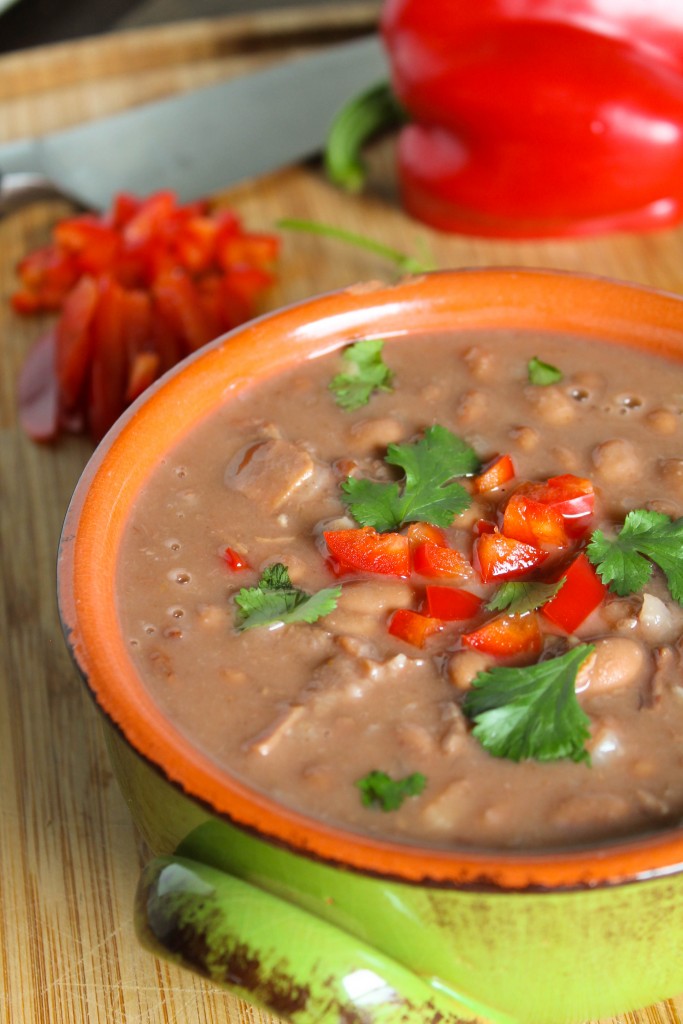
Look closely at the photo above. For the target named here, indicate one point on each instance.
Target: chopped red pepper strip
(451, 603)
(418, 533)
(533, 522)
(573, 497)
(498, 557)
(431, 559)
(581, 593)
(507, 636)
(497, 473)
(365, 550)
(235, 561)
(413, 627)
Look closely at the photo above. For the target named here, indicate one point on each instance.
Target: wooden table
(68, 854)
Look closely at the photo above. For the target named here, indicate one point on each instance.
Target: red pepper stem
(372, 111)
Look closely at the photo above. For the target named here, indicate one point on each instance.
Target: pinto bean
(551, 404)
(525, 438)
(617, 663)
(376, 434)
(662, 421)
(481, 362)
(616, 460)
(589, 813)
(372, 597)
(671, 472)
(473, 406)
(463, 666)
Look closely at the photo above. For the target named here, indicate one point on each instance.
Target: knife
(198, 142)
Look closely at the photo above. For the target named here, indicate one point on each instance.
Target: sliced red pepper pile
(536, 533)
(136, 289)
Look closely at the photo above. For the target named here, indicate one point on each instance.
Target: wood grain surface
(68, 853)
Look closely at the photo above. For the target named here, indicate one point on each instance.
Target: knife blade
(201, 141)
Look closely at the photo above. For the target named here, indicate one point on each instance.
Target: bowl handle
(275, 954)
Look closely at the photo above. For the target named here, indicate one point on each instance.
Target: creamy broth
(303, 711)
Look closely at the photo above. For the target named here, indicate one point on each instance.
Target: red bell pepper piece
(432, 560)
(451, 603)
(413, 627)
(497, 557)
(365, 550)
(420, 532)
(497, 473)
(598, 146)
(74, 341)
(507, 636)
(533, 522)
(581, 593)
(573, 497)
(235, 561)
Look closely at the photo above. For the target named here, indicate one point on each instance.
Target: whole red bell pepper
(539, 117)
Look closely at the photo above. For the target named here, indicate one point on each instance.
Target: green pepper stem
(374, 110)
(406, 264)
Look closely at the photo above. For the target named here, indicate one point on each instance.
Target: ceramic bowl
(311, 922)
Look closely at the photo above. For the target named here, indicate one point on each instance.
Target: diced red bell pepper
(435, 560)
(176, 296)
(533, 522)
(572, 496)
(95, 243)
(451, 603)
(484, 526)
(497, 473)
(498, 557)
(365, 550)
(581, 593)
(235, 561)
(413, 627)
(252, 250)
(420, 532)
(507, 636)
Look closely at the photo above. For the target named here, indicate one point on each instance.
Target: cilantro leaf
(379, 788)
(542, 374)
(428, 493)
(275, 600)
(354, 389)
(518, 598)
(531, 712)
(624, 563)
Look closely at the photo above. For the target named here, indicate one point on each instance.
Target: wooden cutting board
(68, 854)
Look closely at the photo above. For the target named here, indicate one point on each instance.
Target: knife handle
(20, 188)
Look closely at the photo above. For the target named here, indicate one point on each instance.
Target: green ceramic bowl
(311, 922)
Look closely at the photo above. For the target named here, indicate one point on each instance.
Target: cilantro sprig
(378, 788)
(428, 492)
(625, 562)
(533, 711)
(276, 600)
(369, 373)
(542, 374)
(518, 598)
